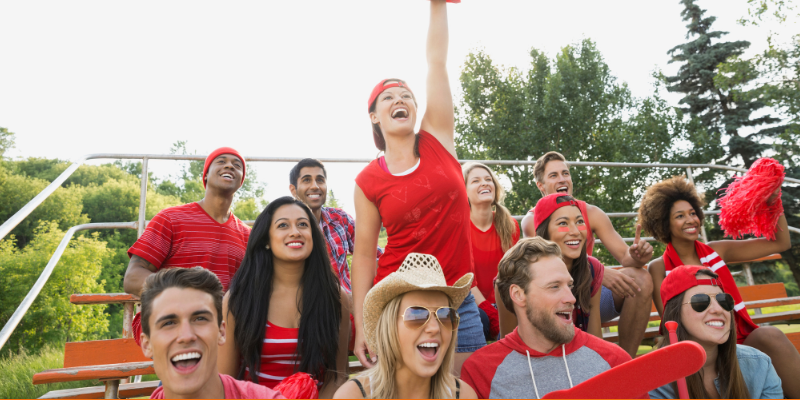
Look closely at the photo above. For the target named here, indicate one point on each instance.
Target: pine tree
(723, 112)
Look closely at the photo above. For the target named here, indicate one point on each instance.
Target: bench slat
(99, 372)
(126, 390)
(650, 332)
(103, 298)
(772, 317)
(763, 292)
(102, 352)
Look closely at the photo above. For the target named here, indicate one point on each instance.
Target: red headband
(547, 205)
(380, 87)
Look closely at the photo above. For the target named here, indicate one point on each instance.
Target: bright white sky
(282, 78)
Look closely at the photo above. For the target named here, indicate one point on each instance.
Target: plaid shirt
(338, 228)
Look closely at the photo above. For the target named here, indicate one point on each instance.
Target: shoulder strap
(360, 387)
(458, 389)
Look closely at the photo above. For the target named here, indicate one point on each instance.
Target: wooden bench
(126, 390)
(107, 360)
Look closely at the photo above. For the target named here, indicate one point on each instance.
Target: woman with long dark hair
(559, 219)
(696, 300)
(415, 190)
(284, 307)
(672, 211)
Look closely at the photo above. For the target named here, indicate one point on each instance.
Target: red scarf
(709, 258)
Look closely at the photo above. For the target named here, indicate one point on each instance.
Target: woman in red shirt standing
(493, 232)
(415, 190)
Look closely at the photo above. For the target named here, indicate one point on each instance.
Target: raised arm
(439, 119)
(368, 225)
(627, 257)
(744, 250)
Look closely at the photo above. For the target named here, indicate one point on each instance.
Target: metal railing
(140, 224)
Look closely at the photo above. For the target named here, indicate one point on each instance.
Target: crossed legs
(634, 311)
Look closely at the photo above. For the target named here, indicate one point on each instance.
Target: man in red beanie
(205, 233)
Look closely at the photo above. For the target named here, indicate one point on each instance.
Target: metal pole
(142, 199)
(702, 223)
(15, 219)
(15, 319)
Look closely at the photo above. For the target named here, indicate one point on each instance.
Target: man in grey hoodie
(546, 352)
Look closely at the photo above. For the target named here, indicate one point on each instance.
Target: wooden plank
(795, 339)
(774, 317)
(775, 256)
(648, 333)
(110, 371)
(763, 292)
(102, 352)
(103, 298)
(126, 390)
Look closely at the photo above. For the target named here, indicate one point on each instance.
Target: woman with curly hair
(672, 211)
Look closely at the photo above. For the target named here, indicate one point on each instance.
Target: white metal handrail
(140, 224)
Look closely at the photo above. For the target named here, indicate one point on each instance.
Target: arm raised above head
(745, 250)
(439, 118)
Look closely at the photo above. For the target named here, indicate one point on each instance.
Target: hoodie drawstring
(530, 368)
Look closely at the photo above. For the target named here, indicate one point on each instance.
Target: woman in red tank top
(284, 311)
(415, 190)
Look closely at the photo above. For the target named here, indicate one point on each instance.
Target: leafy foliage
(6, 141)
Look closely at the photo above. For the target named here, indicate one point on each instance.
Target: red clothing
(186, 236)
(235, 390)
(426, 211)
(589, 234)
(502, 370)
(277, 356)
(487, 252)
(712, 260)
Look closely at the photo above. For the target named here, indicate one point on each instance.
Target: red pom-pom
(744, 205)
(299, 386)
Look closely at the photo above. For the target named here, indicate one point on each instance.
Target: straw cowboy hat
(418, 272)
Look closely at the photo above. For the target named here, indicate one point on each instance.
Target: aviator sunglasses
(416, 317)
(701, 301)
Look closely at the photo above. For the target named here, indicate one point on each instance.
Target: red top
(186, 236)
(235, 390)
(426, 211)
(589, 233)
(277, 355)
(487, 252)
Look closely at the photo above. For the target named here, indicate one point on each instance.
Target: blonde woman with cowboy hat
(411, 322)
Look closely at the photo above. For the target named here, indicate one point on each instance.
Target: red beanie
(547, 205)
(218, 152)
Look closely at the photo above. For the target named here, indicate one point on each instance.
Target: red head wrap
(218, 152)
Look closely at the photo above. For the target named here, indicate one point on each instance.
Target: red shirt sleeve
(155, 244)
(599, 271)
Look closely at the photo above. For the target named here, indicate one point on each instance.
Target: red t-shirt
(426, 211)
(186, 236)
(235, 389)
(487, 252)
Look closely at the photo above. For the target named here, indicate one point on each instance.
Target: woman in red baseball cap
(415, 190)
(559, 219)
(695, 298)
(672, 211)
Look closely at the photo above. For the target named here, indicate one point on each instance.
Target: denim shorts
(608, 309)
(470, 328)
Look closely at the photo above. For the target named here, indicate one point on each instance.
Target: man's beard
(547, 325)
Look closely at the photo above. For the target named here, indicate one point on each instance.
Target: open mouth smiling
(295, 244)
(227, 176)
(565, 315)
(562, 189)
(428, 350)
(186, 362)
(400, 113)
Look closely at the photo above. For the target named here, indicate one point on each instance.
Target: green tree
(332, 201)
(52, 318)
(6, 141)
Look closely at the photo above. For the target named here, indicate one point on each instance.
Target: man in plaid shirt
(308, 182)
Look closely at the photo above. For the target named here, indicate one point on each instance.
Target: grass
(16, 381)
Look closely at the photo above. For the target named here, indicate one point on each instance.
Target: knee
(766, 337)
(642, 279)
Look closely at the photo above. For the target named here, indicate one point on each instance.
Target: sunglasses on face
(416, 317)
(701, 301)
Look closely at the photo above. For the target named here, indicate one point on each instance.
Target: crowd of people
(457, 304)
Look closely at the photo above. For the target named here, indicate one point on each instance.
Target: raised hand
(641, 251)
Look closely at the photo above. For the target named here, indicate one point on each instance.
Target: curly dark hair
(658, 200)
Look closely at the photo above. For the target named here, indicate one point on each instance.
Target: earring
(267, 246)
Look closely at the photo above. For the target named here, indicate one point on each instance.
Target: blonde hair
(382, 380)
(503, 221)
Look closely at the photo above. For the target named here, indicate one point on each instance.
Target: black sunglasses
(701, 301)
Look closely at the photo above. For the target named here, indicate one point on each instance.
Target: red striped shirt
(277, 355)
(186, 236)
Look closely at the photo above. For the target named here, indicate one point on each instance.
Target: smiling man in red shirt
(204, 233)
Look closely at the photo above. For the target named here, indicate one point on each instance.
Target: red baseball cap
(381, 86)
(218, 152)
(547, 205)
(684, 278)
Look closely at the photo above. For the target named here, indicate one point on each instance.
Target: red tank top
(589, 233)
(487, 252)
(426, 211)
(277, 355)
